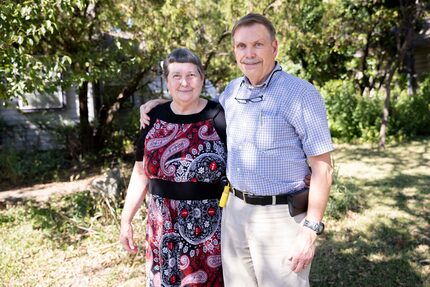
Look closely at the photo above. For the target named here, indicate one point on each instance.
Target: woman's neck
(188, 108)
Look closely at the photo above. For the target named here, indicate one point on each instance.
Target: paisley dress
(184, 156)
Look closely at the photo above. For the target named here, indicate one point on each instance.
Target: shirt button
(240, 147)
(238, 169)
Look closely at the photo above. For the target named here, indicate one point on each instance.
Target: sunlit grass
(58, 245)
(386, 241)
(377, 230)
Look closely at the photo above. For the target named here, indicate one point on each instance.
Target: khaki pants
(256, 244)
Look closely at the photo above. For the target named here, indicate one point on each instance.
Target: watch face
(320, 228)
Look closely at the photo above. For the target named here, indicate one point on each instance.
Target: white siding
(35, 130)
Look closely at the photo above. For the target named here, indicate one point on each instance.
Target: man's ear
(275, 47)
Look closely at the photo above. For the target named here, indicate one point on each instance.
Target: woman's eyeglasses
(250, 100)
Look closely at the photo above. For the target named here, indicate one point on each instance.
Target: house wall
(422, 49)
(422, 59)
(35, 129)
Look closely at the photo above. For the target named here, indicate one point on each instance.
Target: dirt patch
(42, 192)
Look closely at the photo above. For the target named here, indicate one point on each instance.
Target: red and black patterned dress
(184, 156)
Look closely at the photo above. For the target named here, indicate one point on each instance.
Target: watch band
(318, 227)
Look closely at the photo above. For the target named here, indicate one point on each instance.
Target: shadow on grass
(381, 257)
(65, 222)
(410, 154)
(401, 180)
(397, 187)
(389, 253)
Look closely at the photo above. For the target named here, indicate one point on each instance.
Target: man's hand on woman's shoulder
(146, 108)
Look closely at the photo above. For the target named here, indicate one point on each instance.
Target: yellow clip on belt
(224, 196)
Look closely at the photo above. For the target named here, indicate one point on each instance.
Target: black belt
(185, 190)
(261, 199)
(297, 201)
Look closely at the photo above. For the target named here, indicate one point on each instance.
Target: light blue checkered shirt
(268, 141)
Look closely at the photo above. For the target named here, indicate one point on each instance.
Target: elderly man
(276, 129)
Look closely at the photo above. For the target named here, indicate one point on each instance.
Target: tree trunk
(410, 70)
(404, 44)
(85, 130)
(106, 113)
(386, 111)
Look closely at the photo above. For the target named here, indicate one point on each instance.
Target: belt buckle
(245, 194)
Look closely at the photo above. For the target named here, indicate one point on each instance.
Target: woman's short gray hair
(182, 55)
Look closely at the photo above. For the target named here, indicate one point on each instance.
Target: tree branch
(212, 53)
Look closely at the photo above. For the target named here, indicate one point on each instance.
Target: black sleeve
(139, 144)
(220, 124)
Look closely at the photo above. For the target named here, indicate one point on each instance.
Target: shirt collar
(246, 81)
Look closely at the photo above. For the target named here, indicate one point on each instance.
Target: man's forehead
(251, 33)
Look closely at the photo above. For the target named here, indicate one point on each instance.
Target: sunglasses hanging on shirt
(250, 100)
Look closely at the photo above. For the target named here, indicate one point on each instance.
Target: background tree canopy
(358, 53)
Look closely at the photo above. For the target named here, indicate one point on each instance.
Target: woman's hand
(136, 191)
(126, 238)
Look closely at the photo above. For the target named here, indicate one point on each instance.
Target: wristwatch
(318, 227)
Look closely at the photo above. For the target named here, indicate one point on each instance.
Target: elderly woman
(180, 158)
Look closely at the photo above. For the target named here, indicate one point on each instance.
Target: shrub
(367, 115)
(341, 102)
(354, 117)
(26, 167)
(343, 197)
(351, 116)
(410, 115)
(125, 130)
(67, 136)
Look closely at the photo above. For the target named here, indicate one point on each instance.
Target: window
(46, 101)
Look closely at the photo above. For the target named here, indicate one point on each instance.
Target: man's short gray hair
(254, 18)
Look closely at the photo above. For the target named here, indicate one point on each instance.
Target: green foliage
(367, 115)
(411, 114)
(61, 223)
(67, 136)
(27, 167)
(310, 40)
(351, 116)
(354, 117)
(344, 197)
(68, 218)
(125, 131)
(25, 65)
(46, 43)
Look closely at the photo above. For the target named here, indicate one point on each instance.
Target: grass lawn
(384, 238)
(377, 230)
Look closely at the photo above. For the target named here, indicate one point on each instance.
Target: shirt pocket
(270, 133)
